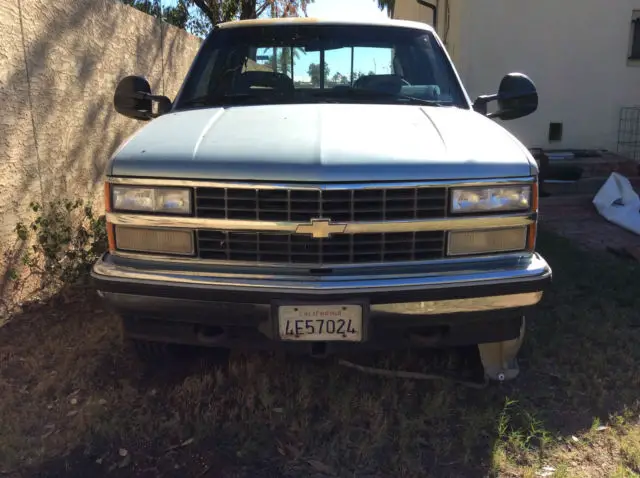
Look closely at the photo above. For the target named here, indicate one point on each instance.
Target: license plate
(320, 322)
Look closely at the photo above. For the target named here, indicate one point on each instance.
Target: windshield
(321, 63)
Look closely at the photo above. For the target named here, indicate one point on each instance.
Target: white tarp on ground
(618, 203)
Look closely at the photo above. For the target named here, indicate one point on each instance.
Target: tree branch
(262, 8)
(247, 9)
(208, 12)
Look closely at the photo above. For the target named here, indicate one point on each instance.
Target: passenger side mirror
(517, 97)
(133, 99)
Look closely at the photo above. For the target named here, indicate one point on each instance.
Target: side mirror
(133, 99)
(517, 97)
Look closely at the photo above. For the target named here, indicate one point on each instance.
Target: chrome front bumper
(483, 302)
(486, 286)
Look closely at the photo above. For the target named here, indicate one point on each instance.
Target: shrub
(68, 237)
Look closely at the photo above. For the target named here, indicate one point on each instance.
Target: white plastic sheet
(618, 203)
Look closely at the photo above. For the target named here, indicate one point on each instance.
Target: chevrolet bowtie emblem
(320, 228)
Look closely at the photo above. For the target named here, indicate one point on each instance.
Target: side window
(269, 59)
(261, 63)
(634, 47)
(307, 68)
(345, 65)
(291, 61)
(337, 69)
(372, 61)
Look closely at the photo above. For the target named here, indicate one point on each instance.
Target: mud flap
(499, 359)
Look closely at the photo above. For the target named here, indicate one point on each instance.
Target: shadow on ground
(74, 402)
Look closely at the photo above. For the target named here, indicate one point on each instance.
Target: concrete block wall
(59, 65)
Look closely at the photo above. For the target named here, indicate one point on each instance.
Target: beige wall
(448, 24)
(58, 126)
(574, 50)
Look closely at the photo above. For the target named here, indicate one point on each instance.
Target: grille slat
(328, 211)
(300, 249)
(384, 204)
(337, 205)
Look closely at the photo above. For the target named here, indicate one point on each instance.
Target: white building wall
(575, 51)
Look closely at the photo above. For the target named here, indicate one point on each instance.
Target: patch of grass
(74, 401)
(630, 450)
(622, 472)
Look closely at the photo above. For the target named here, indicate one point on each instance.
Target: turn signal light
(487, 241)
(107, 207)
(157, 241)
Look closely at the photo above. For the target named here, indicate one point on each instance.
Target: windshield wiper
(360, 93)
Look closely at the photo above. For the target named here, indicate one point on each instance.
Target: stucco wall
(59, 65)
(574, 50)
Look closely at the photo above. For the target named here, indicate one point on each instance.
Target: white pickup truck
(324, 186)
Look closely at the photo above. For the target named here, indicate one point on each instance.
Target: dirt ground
(75, 401)
(576, 218)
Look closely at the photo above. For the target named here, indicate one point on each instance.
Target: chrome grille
(384, 204)
(303, 249)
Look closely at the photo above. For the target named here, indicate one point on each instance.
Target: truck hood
(323, 143)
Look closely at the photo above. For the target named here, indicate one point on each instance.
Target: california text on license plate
(320, 322)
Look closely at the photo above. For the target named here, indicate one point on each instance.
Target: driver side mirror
(517, 97)
(133, 99)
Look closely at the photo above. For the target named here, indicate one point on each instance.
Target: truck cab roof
(261, 22)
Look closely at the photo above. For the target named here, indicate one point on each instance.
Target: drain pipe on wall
(434, 9)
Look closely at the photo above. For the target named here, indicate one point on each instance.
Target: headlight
(511, 198)
(162, 200)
